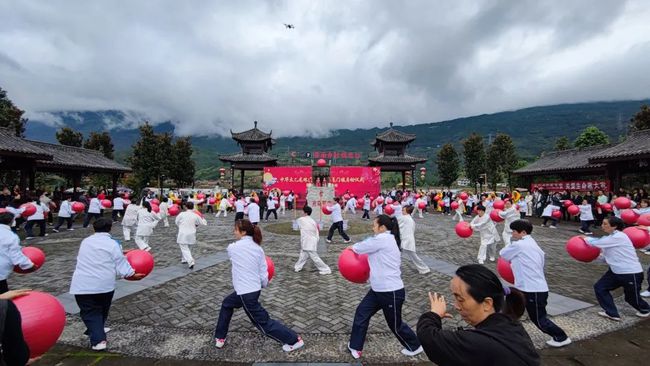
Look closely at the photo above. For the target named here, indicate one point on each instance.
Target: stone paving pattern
(176, 319)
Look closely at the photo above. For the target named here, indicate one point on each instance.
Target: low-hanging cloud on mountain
(214, 66)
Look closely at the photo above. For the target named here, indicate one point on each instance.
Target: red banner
(573, 185)
(291, 178)
(357, 180)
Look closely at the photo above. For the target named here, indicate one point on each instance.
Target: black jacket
(498, 340)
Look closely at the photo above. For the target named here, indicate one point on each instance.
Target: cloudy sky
(211, 66)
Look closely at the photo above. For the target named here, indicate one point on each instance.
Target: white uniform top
(146, 222)
(270, 203)
(385, 259)
(486, 228)
(586, 213)
(527, 260)
(351, 203)
(290, 197)
(618, 251)
(130, 215)
(65, 210)
(95, 206)
(253, 212)
(336, 213)
(366, 203)
(398, 210)
(223, 205)
(249, 270)
(407, 232)
(187, 221)
(548, 210)
(308, 233)
(239, 206)
(283, 200)
(99, 261)
(40, 209)
(164, 209)
(510, 215)
(522, 205)
(118, 203)
(11, 253)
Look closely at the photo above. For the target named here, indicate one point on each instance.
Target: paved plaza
(171, 314)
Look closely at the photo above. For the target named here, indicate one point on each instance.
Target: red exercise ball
(101, 196)
(500, 204)
(639, 237)
(346, 196)
(606, 207)
(154, 201)
(326, 210)
(78, 207)
(436, 198)
(43, 319)
(622, 203)
(422, 205)
(200, 196)
(573, 210)
(454, 205)
(494, 215)
(270, 267)
(380, 200)
(463, 196)
(354, 267)
(141, 261)
(155, 208)
(126, 202)
(464, 229)
(644, 220)
(389, 210)
(173, 210)
(35, 255)
(578, 249)
(629, 216)
(567, 203)
(505, 270)
(212, 201)
(321, 162)
(106, 203)
(30, 209)
(360, 202)
(389, 201)
(556, 214)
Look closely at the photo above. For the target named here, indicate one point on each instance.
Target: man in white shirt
(239, 208)
(187, 221)
(271, 208)
(337, 222)
(253, 212)
(65, 214)
(37, 218)
(309, 236)
(10, 251)
(94, 210)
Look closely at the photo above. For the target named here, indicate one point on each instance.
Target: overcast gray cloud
(212, 66)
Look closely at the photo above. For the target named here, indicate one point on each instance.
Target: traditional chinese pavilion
(255, 145)
(392, 157)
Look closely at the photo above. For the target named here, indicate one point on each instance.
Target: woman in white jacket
(407, 234)
(37, 218)
(164, 208)
(223, 207)
(187, 221)
(309, 236)
(130, 220)
(147, 220)
(509, 214)
(489, 234)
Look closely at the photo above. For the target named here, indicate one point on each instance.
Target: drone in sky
(289, 26)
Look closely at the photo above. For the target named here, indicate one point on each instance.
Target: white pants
(320, 265)
(165, 221)
(282, 210)
(186, 254)
(459, 216)
(126, 230)
(417, 261)
(225, 213)
(420, 212)
(142, 241)
(482, 251)
(506, 238)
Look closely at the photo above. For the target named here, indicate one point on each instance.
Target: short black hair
(189, 205)
(615, 222)
(480, 208)
(6, 218)
(103, 225)
(521, 225)
(306, 210)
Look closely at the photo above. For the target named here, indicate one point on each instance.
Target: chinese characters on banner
(287, 178)
(357, 180)
(574, 185)
(336, 155)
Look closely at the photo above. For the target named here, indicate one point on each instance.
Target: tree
(100, 142)
(641, 120)
(69, 137)
(151, 157)
(505, 152)
(11, 116)
(591, 136)
(474, 153)
(182, 171)
(492, 162)
(562, 143)
(448, 165)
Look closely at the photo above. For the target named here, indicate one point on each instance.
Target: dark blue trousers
(94, 311)
(391, 304)
(631, 284)
(89, 215)
(536, 308)
(258, 316)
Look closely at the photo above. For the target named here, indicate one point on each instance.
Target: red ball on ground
(567, 203)
(389, 210)
(43, 319)
(30, 209)
(556, 214)
(464, 229)
(463, 196)
(640, 238)
(78, 207)
(141, 261)
(155, 208)
(35, 255)
(174, 210)
(422, 205)
(644, 220)
(106, 203)
(499, 204)
(579, 250)
(573, 210)
(505, 270)
(494, 215)
(629, 216)
(354, 267)
(326, 210)
(454, 205)
(622, 203)
(606, 207)
(270, 267)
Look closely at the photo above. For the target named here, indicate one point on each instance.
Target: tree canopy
(100, 142)
(562, 143)
(69, 137)
(591, 136)
(641, 120)
(11, 116)
(474, 154)
(448, 165)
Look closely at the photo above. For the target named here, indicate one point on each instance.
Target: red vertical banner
(358, 180)
(287, 178)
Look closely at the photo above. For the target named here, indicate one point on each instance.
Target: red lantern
(200, 196)
(579, 250)
(494, 215)
(389, 210)
(78, 207)
(500, 204)
(639, 237)
(505, 270)
(360, 202)
(30, 209)
(436, 198)
(354, 267)
(346, 196)
(573, 210)
(106, 203)
(629, 216)
(321, 162)
(464, 229)
(644, 220)
(622, 203)
(141, 261)
(270, 267)
(43, 319)
(35, 255)
(173, 210)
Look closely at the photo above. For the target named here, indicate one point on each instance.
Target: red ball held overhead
(573, 210)
(141, 261)
(30, 209)
(35, 255)
(354, 267)
(155, 208)
(154, 201)
(640, 238)
(464, 229)
(629, 216)
(505, 270)
(270, 267)
(579, 250)
(43, 319)
(494, 215)
(500, 204)
(622, 203)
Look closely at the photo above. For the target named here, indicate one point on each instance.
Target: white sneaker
(642, 315)
(412, 353)
(325, 272)
(347, 241)
(355, 354)
(556, 344)
(99, 346)
(645, 293)
(107, 329)
(219, 342)
(553, 227)
(481, 262)
(605, 315)
(491, 259)
(328, 241)
(293, 347)
(147, 249)
(425, 272)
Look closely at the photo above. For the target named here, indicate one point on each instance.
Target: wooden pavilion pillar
(241, 183)
(115, 177)
(403, 180)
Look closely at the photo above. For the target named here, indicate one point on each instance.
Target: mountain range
(533, 130)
